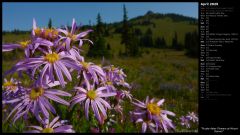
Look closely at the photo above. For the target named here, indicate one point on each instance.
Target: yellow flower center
(51, 31)
(112, 68)
(37, 31)
(24, 44)
(91, 94)
(52, 57)
(10, 85)
(36, 92)
(85, 65)
(72, 36)
(109, 83)
(153, 108)
(47, 130)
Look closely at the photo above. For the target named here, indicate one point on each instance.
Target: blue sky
(20, 15)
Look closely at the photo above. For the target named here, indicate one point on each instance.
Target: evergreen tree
(125, 31)
(146, 40)
(191, 44)
(160, 42)
(175, 44)
(99, 48)
(108, 47)
(50, 23)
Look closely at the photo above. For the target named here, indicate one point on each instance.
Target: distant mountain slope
(161, 25)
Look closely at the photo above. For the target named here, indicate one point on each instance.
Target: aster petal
(139, 105)
(83, 34)
(71, 64)
(164, 127)
(168, 112)
(43, 72)
(144, 127)
(68, 43)
(86, 80)
(153, 130)
(35, 68)
(87, 107)
(105, 103)
(13, 101)
(61, 129)
(98, 70)
(139, 120)
(35, 108)
(44, 110)
(147, 99)
(139, 113)
(78, 96)
(95, 110)
(34, 24)
(57, 99)
(74, 26)
(59, 75)
(81, 89)
(77, 101)
(107, 94)
(14, 109)
(53, 121)
(47, 104)
(53, 84)
(65, 70)
(160, 102)
(80, 43)
(100, 89)
(57, 124)
(16, 117)
(36, 127)
(10, 47)
(43, 42)
(58, 92)
(63, 31)
(101, 108)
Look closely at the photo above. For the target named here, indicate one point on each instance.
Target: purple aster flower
(109, 86)
(126, 94)
(52, 63)
(118, 108)
(50, 34)
(28, 46)
(55, 126)
(152, 109)
(123, 83)
(192, 116)
(114, 73)
(185, 121)
(70, 36)
(36, 100)
(147, 125)
(11, 87)
(93, 97)
(90, 71)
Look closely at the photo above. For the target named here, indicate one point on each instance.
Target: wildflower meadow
(68, 93)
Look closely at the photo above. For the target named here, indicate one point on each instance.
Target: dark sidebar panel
(219, 69)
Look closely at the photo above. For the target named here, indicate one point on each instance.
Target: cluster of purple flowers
(152, 116)
(51, 56)
(190, 117)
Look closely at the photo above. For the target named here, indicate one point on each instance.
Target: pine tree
(128, 37)
(99, 48)
(191, 44)
(50, 23)
(125, 31)
(175, 44)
